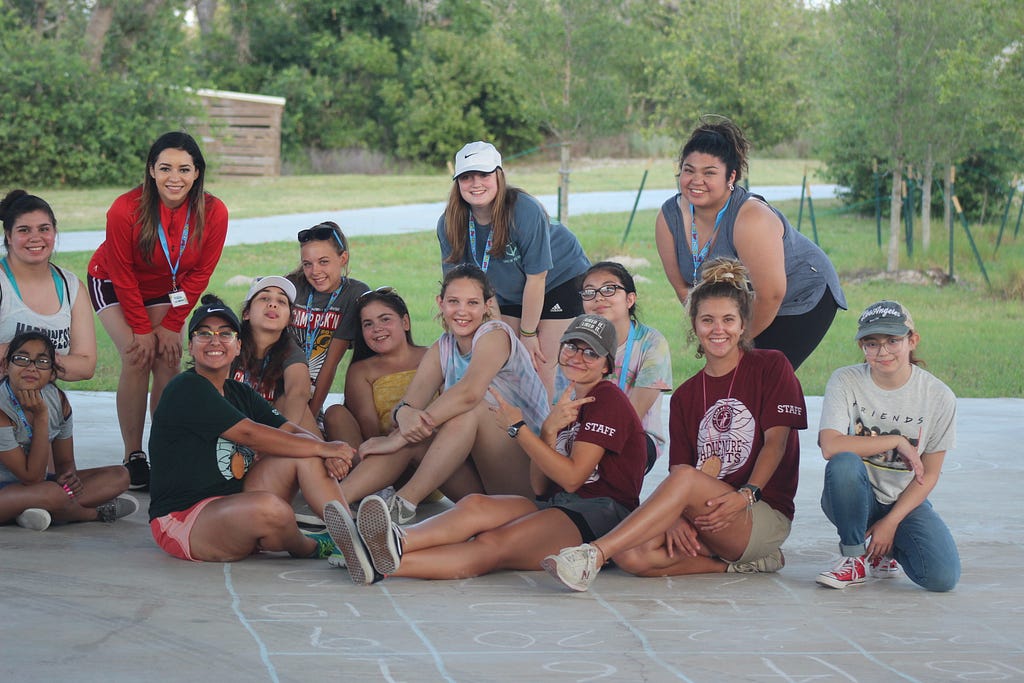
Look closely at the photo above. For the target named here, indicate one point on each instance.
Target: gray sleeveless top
(808, 271)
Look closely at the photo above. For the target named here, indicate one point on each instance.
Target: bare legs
(261, 517)
(133, 383)
(99, 484)
(549, 334)
(483, 534)
(638, 543)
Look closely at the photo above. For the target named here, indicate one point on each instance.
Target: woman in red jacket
(163, 241)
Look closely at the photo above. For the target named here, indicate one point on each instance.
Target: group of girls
(516, 412)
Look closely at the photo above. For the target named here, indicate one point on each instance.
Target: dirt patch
(932, 276)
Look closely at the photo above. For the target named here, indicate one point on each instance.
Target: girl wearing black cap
(226, 465)
(727, 503)
(886, 425)
(532, 261)
(586, 469)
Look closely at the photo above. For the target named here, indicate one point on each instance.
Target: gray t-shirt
(537, 245)
(923, 410)
(17, 435)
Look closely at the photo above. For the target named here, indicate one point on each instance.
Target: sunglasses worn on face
(206, 336)
(320, 232)
(589, 355)
(604, 290)
(25, 361)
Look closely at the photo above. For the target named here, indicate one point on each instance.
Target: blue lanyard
(472, 245)
(17, 408)
(698, 258)
(312, 334)
(181, 250)
(624, 370)
(57, 283)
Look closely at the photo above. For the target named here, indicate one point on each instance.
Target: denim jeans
(922, 545)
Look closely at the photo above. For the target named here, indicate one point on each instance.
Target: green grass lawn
(969, 332)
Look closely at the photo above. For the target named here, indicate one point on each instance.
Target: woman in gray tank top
(797, 291)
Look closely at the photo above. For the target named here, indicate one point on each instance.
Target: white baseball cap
(478, 156)
(282, 283)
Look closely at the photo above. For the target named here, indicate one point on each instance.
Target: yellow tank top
(387, 391)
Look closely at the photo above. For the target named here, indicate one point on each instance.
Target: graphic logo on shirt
(233, 459)
(512, 253)
(890, 459)
(61, 339)
(564, 443)
(726, 432)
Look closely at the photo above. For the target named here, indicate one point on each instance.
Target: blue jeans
(922, 545)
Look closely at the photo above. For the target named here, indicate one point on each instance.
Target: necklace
(722, 419)
(702, 253)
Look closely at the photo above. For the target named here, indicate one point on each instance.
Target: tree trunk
(563, 183)
(895, 204)
(926, 201)
(205, 11)
(100, 20)
(240, 20)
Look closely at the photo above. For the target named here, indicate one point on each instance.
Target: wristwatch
(755, 491)
(513, 430)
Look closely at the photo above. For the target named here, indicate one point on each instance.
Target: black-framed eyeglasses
(589, 355)
(606, 291)
(384, 291)
(206, 336)
(320, 232)
(23, 361)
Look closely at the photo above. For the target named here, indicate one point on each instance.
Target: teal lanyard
(311, 332)
(17, 408)
(698, 258)
(624, 370)
(58, 283)
(181, 250)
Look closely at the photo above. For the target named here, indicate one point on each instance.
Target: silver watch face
(513, 430)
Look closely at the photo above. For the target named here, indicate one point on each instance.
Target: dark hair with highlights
(148, 216)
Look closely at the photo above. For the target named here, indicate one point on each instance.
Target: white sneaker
(772, 562)
(402, 511)
(575, 568)
(36, 519)
(883, 567)
(383, 538)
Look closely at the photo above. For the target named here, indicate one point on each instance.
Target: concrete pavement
(95, 602)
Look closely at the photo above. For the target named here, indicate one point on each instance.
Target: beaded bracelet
(524, 333)
(67, 490)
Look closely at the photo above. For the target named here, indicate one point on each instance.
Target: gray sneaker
(342, 529)
(575, 567)
(122, 506)
(383, 538)
(772, 562)
(402, 511)
(36, 519)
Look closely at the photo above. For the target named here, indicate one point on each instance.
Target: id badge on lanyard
(178, 298)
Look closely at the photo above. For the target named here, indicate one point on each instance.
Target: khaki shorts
(769, 530)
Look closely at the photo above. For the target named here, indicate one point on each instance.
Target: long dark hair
(456, 218)
(148, 215)
(391, 299)
(266, 371)
(15, 205)
(619, 272)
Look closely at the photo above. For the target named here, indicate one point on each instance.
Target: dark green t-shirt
(189, 459)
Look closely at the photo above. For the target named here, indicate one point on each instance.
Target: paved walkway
(393, 220)
(94, 602)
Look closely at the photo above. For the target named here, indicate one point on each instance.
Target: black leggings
(798, 335)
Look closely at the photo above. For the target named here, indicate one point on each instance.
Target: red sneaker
(848, 572)
(883, 567)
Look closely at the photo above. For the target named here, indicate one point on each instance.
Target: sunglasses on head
(320, 232)
(385, 290)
